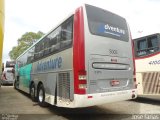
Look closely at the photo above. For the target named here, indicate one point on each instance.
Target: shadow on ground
(147, 101)
(88, 113)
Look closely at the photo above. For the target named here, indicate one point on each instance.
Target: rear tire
(41, 96)
(32, 92)
(16, 84)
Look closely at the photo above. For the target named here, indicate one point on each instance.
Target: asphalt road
(17, 105)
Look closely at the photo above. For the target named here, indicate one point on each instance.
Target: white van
(7, 76)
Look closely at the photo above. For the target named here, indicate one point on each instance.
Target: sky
(23, 16)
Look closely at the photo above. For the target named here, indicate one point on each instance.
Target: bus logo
(114, 30)
(49, 64)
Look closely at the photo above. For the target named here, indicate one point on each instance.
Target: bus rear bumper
(99, 98)
(7, 82)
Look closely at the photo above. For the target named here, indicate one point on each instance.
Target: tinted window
(56, 41)
(59, 39)
(30, 55)
(49, 44)
(107, 24)
(67, 33)
(152, 44)
(22, 60)
(142, 46)
(147, 46)
(10, 64)
(9, 71)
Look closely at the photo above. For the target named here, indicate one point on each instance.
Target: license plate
(114, 82)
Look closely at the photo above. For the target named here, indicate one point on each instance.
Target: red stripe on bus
(78, 49)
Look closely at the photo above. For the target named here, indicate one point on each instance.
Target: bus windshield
(107, 24)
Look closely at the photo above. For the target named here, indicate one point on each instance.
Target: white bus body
(147, 60)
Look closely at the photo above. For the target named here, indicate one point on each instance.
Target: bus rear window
(107, 24)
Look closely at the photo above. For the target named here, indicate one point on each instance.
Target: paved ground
(18, 105)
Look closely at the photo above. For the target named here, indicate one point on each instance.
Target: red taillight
(4, 76)
(133, 56)
(82, 83)
(78, 53)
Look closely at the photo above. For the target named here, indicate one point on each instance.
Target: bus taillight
(83, 86)
(82, 75)
(82, 80)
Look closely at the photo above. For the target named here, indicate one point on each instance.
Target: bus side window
(46, 46)
(152, 44)
(67, 33)
(39, 50)
(148, 45)
(142, 47)
(54, 40)
(30, 56)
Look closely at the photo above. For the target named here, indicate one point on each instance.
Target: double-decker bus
(147, 60)
(85, 60)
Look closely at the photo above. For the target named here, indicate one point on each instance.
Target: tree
(24, 43)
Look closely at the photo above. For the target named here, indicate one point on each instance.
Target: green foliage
(24, 43)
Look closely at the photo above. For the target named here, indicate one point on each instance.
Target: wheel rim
(40, 95)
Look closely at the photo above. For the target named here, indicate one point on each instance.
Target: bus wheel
(16, 84)
(41, 96)
(32, 92)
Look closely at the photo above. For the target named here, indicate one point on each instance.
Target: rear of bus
(102, 58)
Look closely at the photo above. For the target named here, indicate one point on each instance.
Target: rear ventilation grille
(151, 83)
(64, 86)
